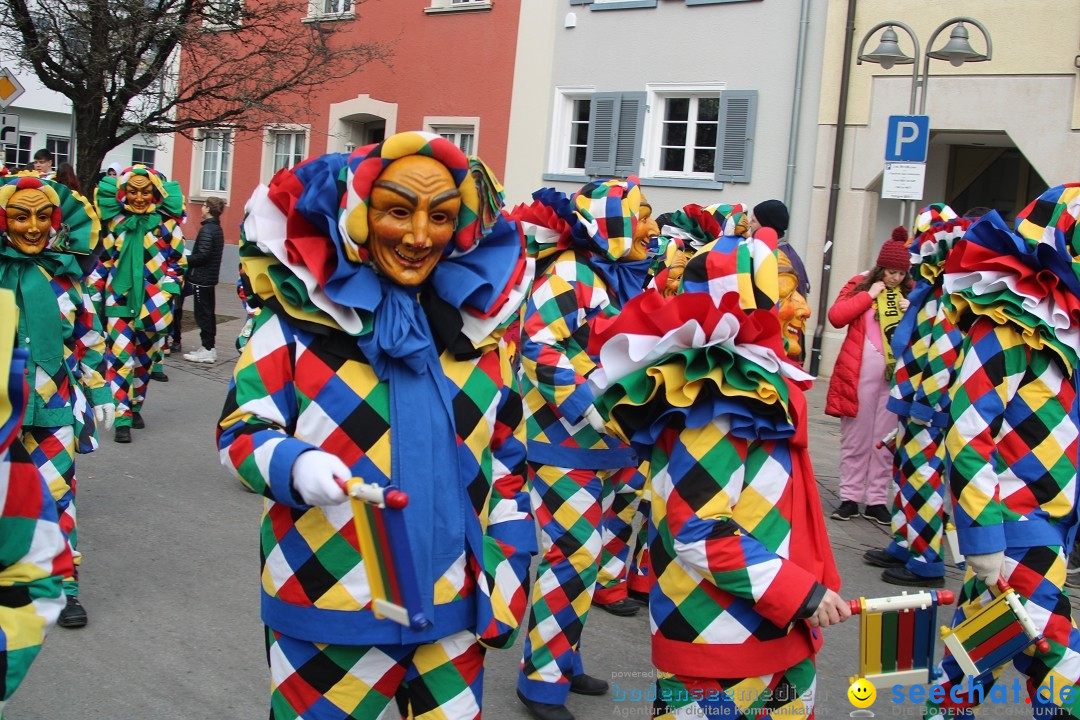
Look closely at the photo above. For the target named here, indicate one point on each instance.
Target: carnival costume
(405, 385)
(141, 269)
(1012, 441)
(34, 556)
(737, 538)
(695, 227)
(60, 330)
(580, 244)
(924, 344)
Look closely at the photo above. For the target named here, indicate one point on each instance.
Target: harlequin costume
(60, 330)
(1014, 421)
(34, 556)
(580, 243)
(924, 343)
(737, 537)
(621, 574)
(406, 385)
(140, 270)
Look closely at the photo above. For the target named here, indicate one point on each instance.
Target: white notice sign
(903, 181)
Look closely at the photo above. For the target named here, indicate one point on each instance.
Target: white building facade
(699, 98)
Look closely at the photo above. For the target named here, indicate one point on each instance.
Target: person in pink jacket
(869, 306)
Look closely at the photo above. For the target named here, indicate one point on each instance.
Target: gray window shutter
(581, 2)
(603, 126)
(629, 132)
(735, 141)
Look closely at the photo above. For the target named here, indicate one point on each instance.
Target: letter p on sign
(907, 139)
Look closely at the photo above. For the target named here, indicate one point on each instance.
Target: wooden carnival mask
(645, 231)
(29, 220)
(139, 194)
(794, 310)
(412, 215)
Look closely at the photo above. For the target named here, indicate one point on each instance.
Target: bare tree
(244, 63)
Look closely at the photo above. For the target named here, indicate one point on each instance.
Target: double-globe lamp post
(957, 51)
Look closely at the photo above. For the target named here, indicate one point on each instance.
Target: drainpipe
(796, 103)
(834, 190)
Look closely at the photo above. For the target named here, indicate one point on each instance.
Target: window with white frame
(463, 137)
(60, 147)
(570, 130)
(143, 155)
(670, 133)
(688, 131)
(222, 14)
(288, 148)
(284, 146)
(17, 156)
(438, 6)
(330, 9)
(214, 162)
(463, 131)
(699, 132)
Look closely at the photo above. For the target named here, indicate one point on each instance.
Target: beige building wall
(530, 106)
(1026, 97)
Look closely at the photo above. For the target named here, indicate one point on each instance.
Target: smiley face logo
(862, 693)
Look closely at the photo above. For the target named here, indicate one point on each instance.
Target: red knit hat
(894, 254)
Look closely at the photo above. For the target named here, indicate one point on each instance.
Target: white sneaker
(202, 355)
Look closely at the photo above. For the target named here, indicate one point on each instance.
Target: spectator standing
(43, 163)
(870, 306)
(204, 265)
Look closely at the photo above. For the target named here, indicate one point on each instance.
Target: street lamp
(957, 51)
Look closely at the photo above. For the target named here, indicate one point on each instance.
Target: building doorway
(982, 178)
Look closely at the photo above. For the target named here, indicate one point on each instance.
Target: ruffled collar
(995, 273)
(293, 253)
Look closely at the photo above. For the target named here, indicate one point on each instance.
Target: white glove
(104, 416)
(314, 477)
(593, 416)
(986, 567)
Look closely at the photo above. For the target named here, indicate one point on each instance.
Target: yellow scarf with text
(887, 305)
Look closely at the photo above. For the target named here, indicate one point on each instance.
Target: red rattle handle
(376, 495)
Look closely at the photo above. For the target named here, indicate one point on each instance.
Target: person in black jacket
(204, 264)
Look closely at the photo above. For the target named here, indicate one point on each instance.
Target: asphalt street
(170, 581)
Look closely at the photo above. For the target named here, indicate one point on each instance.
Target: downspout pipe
(834, 191)
(796, 104)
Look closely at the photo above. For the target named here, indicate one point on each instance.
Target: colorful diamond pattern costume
(34, 554)
(320, 372)
(738, 543)
(59, 329)
(1015, 420)
(141, 267)
(925, 332)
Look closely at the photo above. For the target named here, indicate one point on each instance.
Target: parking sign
(907, 138)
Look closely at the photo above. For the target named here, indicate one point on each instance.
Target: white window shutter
(735, 140)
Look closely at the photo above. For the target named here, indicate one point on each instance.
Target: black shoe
(159, 376)
(588, 685)
(73, 615)
(847, 510)
(878, 513)
(545, 711)
(137, 422)
(882, 559)
(641, 598)
(903, 576)
(122, 434)
(623, 608)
